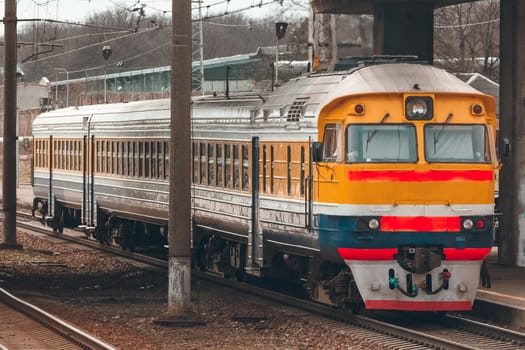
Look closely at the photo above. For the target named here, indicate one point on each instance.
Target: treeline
(466, 39)
(137, 42)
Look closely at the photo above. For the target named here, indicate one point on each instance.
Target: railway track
(393, 331)
(24, 326)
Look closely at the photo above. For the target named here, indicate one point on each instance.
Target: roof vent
(296, 111)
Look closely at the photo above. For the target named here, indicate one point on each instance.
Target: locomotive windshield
(380, 143)
(456, 143)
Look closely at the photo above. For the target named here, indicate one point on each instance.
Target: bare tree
(466, 37)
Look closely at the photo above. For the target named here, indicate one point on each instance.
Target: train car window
(211, 165)
(59, 155)
(147, 159)
(202, 153)
(36, 153)
(113, 155)
(74, 155)
(58, 152)
(235, 167)
(156, 160)
(126, 158)
(166, 160)
(245, 168)
(289, 169)
(79, 155)
(108, 157)
(303, 167)
(451, 143)
(332, 143)
(160, 160)
(381, 143)
(67, 155)
(47, 159)
(133, 159)
(42, 152)
(59, 146)
(220, 162)
(64, 154)
(264, 168)
(71, 153)
(227, 166)
(120, 152)
(272, 169)
(195, 170)
(153, 160)
(103, 157)
(99, 155)
(140, 159)
(123, 158)
(36, 150)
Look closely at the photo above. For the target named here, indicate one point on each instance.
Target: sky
(79, 10)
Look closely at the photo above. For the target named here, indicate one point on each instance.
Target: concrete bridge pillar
(512, 132)
(404, 29)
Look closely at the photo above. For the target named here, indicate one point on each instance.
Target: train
(372, 186)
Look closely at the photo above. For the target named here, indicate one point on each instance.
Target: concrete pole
(10, 106)
(179, 221)
(511, 240)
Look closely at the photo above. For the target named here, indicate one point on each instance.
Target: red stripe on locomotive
(420, 175)
(451, 254)
(419, 305)
(421, 223)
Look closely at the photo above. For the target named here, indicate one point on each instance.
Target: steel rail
(64, 329)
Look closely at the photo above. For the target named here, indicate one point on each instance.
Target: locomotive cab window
(381, 143)
(446, 143)
(332, 143)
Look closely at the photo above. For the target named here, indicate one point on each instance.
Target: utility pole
(10, 142)
(179, 220)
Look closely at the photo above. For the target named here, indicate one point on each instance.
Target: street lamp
(106, 53)
(67, 85)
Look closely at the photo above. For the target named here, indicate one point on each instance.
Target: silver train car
(272, 188)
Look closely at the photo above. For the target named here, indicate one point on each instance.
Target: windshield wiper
(370, 135)
(438, 134)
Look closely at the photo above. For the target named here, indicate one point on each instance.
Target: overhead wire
(88, 46)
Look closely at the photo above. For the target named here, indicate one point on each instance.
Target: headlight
(418, 108)
(468, 224)
(373, 224)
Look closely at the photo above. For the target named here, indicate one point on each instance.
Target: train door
(88, 210)
(255, 237)
(51, 195)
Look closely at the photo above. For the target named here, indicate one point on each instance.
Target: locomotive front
(405, 185)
